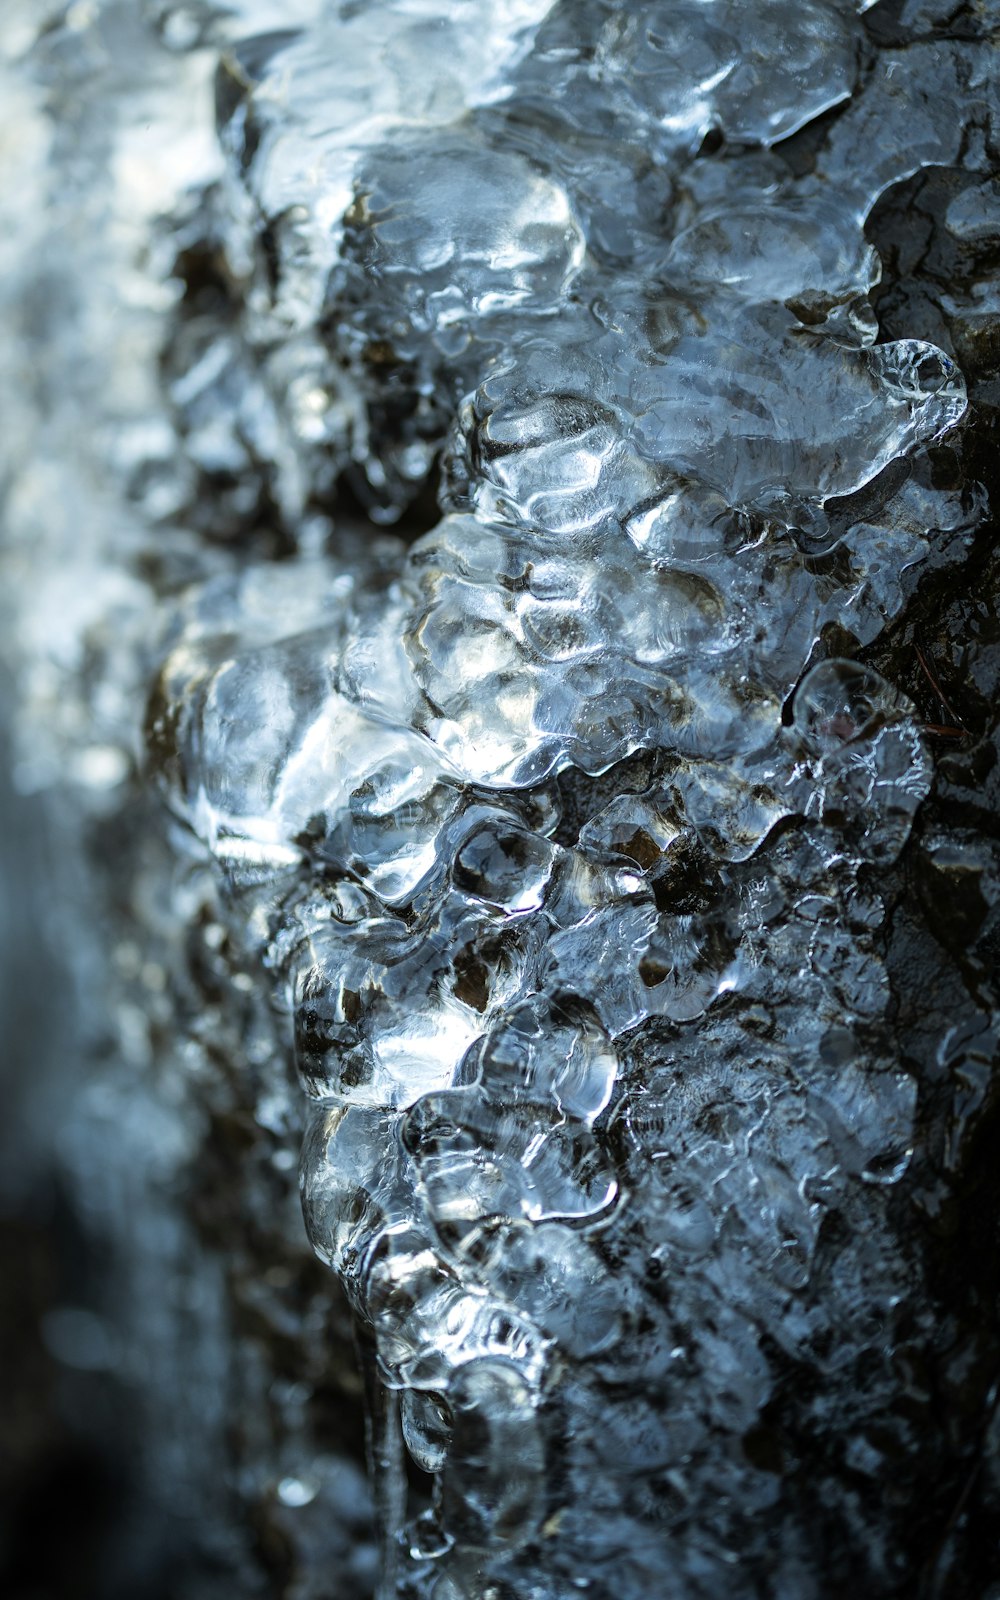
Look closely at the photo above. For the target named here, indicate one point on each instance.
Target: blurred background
(180, 1413)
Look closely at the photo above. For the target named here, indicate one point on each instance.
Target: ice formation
(585, 1095)
(559, 821)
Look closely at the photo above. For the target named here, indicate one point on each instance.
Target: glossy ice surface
(585, 1096)
(560, 826)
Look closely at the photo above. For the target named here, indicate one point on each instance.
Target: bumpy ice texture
(562, 825)
(557, 828)
(586, 1094)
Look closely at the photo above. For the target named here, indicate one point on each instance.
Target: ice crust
(548, 1061)
(555, 826)
(584, 1095)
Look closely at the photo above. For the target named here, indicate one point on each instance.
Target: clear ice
(539, 431)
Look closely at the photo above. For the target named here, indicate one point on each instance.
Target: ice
(717, 396)
(556, 839)
(686, 74)
(863, 756)
(546, 1055)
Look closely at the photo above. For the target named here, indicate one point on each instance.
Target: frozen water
(548, 1058)
(559, 830)
(544, 1057)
